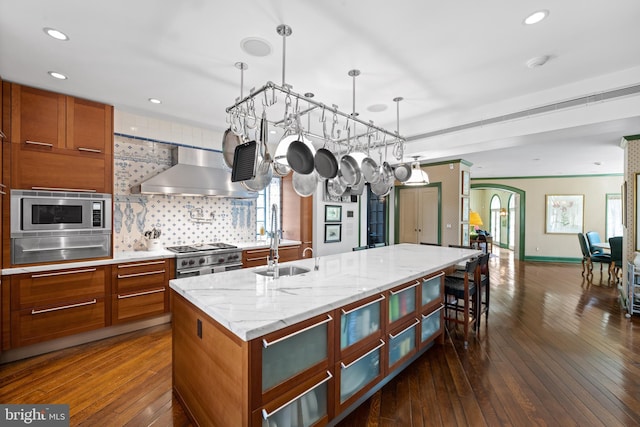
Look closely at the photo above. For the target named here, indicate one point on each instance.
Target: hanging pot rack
(270, 92)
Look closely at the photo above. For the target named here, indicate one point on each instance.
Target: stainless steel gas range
(206, 258)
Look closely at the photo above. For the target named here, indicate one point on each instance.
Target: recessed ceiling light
(56, 34)
(536, 17)
(255, 46)
(155, 101)
(57, 75)
(538, 61)
(376, 108)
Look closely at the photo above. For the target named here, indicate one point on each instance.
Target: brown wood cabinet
(59, 142)
(258, 257)
(53, 304)
(140, 290)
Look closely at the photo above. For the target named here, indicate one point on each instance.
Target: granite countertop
(250, 305)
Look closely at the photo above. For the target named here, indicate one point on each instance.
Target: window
(267, 197)
(614, 215)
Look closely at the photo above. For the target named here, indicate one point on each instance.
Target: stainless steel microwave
(48, 226)
(38, 211)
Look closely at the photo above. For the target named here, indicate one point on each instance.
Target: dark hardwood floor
(556, 352)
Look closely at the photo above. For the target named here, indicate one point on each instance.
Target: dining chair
(615, 266)
(594, 237)
(586, 256)
(460, 297)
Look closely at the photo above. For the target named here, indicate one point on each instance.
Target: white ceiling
(454, 63)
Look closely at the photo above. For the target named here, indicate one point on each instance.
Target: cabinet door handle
(2, 135)
(62, 273)
(64, 307)
(404, 330)
(155, 291)
(146, 273)
(363, 356)
(257, 259)
(266, 415)
(345, 312)
(80, 190)
(89, 150)
(266, 344)
(141, 264)
(424, 316)
(42, 144)
(404, 289)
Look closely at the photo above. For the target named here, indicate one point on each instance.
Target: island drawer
(402, 302)
(357, 374)
(286, 358)
(138, 305)
(431, 325)
(432, 291)
(402, 343)
(360, 324)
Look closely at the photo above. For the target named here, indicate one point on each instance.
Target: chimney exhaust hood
(195, 172)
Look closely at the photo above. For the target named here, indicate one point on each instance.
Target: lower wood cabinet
(140, 290)
(258, 257)
(53, 304)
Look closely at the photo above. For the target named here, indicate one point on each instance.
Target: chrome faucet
(272, 260)
(304, 252)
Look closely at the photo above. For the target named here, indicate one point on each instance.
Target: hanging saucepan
(381, 188)
(358, 188)
(299, 154)
(325, 162)
(336, 187)
(264, 171)
(229, 143)
(349, 169)
(305, 185)
(402, 172)
(369, 167)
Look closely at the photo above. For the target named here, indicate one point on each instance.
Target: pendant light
(418, 176)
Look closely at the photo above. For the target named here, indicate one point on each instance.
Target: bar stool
(462, 288)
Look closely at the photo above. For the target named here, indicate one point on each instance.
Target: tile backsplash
(181, 219)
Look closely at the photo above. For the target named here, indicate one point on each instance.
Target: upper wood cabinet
(59, 142)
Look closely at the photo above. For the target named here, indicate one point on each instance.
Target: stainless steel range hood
(195, 172)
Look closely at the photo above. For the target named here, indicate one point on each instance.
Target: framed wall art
(564, 214)
(332, 213)
(332, 233)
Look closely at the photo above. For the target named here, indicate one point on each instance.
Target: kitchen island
(306, 349)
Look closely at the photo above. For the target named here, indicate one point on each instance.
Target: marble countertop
(250, 305)
(127, 256)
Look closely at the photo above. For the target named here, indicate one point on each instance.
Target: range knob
(191, 262)
(184, 262)
(220, 260)
(201, 261)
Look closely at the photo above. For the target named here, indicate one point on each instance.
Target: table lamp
(475, 220)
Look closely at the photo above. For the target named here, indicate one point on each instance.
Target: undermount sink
(285, 270)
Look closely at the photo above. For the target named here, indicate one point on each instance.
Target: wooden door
(428, 210)
(408, 215)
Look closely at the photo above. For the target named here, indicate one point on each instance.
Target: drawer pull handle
(141, 264)
(426, 279)
(426, 316)
(62, 273)
(363, 356)
(404, 289)
(146, 273)
(155, 291)
(89, 150)
(2, 192)
(2, 135)
(266, 415)
(82, 190)
(266, 344)
(345, 312)
(255, 259)
(42, 144)
(393, 337)
(63, 248)
(64, 307)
